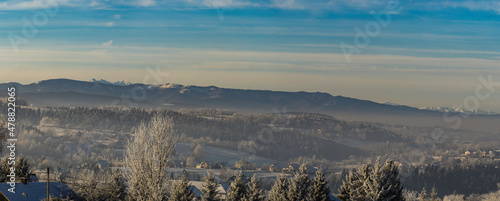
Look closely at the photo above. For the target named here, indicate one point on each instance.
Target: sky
(416, 53)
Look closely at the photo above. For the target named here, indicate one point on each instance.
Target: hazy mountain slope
(65, 92)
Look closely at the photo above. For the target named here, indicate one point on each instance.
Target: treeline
(464, 179)
(266, 140)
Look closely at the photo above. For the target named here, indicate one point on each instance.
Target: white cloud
(107, 44)
(110, 24)
(32, 4)
(37, 4)
(286, 4)
(145, 3)
(117, 17)
(476, 5)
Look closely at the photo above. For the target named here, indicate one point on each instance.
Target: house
(291, 167)
(491, 153)
(204, 165)
(34, 191)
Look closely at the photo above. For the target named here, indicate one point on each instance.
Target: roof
(35, 190)
(333, 198)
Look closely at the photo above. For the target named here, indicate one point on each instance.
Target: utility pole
(48, 180)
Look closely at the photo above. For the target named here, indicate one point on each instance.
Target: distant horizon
(161, 84)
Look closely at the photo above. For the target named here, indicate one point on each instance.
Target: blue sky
(430, 53)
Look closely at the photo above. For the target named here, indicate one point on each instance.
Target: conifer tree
(385, 182)
(423, 195)
(373, 183)
(210, 192)
(22, 167)
(320, 191)
(434, 193)
(181, 190)
(352, 187)
(299, 186)
(255, 190)
(279, 191)
(238, 188)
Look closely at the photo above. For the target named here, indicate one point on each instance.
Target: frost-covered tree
(373, 183)
(238, 189)
(181, 190)
(319, 188)
(384, 182)
(146, 156)
(88, 185)
(256, 193)
(3, 132)
(199, 152)
(299, 185)
(423, 196)
(279, 191)
(91, 185)
(434, 194)
(22, 167)
(210, 192)
(457, 197)
(410, 195)
(352, 187)
(117, 188)
(493, 196)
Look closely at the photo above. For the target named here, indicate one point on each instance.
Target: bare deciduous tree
(146, 159)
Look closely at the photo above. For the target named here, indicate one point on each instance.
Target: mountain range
(96, 93)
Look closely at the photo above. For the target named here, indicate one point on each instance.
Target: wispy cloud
(328, 5)
(32, 4)
(287, 4)
(37, 4)
(145, 3)
(476, 5)
(107, 44)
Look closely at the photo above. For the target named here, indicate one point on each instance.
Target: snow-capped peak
(459, 110)
(171, 85)
(389, 103)
(120, 83)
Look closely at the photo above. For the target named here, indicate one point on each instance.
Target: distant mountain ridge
(66, 92)
(121, 83)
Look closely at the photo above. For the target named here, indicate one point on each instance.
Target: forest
(72, 139)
